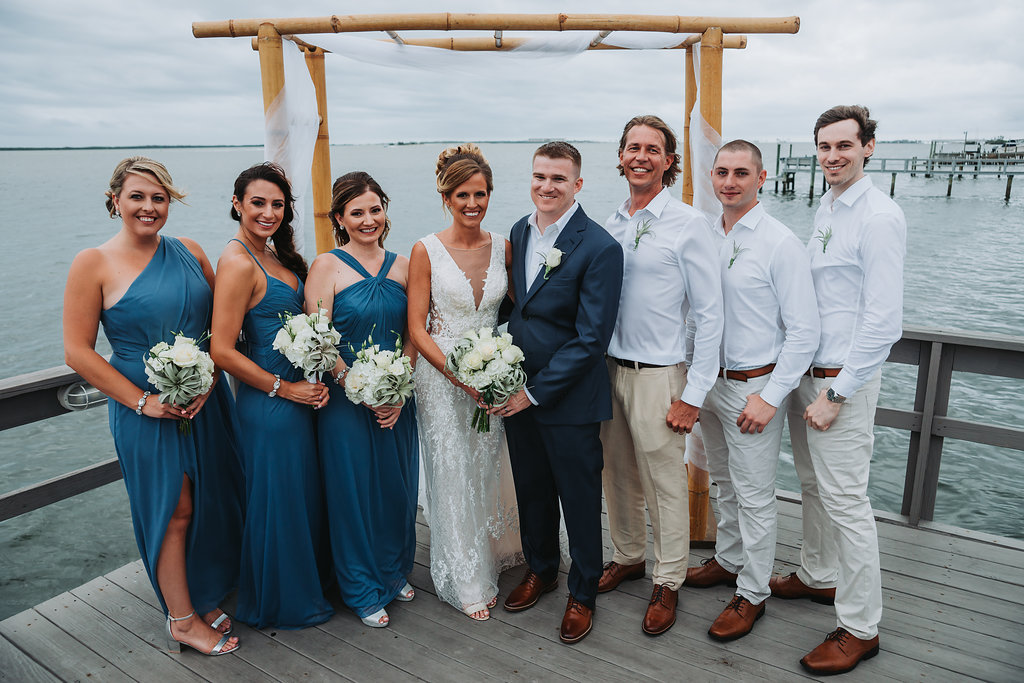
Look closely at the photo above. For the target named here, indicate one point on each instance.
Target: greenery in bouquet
(180, 372)
(309, 341)
(379, 377)
(489, 363)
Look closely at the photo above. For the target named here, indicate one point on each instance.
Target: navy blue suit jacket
(563, 324)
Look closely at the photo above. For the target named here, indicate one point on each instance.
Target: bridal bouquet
(180, 372)
(492, 365)
(379, 378)
(309, 341)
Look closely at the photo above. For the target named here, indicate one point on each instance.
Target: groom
(566, 274)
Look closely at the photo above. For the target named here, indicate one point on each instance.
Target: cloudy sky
(114, 72)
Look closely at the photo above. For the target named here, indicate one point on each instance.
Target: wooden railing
(937, 353)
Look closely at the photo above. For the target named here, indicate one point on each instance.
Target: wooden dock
(953, 611)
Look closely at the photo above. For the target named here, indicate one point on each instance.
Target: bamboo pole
(271, 64)
(733, 42)
(711, 77)
(321, 157)
(689, 98)
(703, 530)
(445, 21)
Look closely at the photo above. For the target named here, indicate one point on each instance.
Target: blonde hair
(456, 165)
(141, 166)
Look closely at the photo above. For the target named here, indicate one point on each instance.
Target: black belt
(636, 365)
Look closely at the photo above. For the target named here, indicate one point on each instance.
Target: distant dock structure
(995, 157)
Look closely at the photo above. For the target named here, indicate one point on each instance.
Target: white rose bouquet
(379, 378)
(489, 363)
(180, 372)
(310, 342)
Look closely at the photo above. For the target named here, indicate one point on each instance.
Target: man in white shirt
(771, 333)
(670, 269)
(857, 252)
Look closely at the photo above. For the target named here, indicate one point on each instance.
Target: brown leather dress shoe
(840, 652)
(709, 574)
(736, 619)
(615, 573)
(791, 587)
(528, 592)
(661, 613)
(577, 622)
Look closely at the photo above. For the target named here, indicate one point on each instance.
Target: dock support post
(1009, 184)
(321, 157)
(913, 168)
(690, 96)
(949, 185)
(810, 195)
(892, 186)
(778, 158)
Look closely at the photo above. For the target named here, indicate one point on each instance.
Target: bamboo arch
(711, 34)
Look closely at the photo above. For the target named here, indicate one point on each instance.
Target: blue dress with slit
(172, 295)
(371, 475)
(284, 541)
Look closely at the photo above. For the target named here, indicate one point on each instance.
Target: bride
(457, 279)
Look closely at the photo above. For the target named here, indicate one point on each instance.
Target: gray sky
(115, 72)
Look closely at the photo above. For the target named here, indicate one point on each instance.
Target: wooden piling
(810, 194)
(778, 158)
(949, 185)
(1009, 184)
(892, 186)
(321, 171)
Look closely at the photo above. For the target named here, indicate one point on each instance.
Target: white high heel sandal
(406, 594)
(378, 619)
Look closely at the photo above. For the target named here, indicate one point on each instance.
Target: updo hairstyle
(141, 166)
(348, 187)
(284, 237)
(456, 165)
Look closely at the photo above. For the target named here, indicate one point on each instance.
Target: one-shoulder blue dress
(284, 538)
(171, 295)
(371, 475)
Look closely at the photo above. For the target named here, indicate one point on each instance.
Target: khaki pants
(643, 461)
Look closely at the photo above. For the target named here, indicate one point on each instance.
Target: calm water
(964, 269)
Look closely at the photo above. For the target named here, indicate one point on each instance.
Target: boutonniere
(641, 230)
(736, 251)
(552, 260)
(824, 235)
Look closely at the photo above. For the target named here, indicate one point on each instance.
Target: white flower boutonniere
(641, 230)
(552, 260)
(824, 235)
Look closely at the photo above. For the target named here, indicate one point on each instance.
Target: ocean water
(963, 271)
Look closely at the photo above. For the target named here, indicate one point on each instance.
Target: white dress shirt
(771, 314)
(539, 244)
(858, 279)
(670, 272)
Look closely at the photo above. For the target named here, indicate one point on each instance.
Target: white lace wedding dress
(471, 504)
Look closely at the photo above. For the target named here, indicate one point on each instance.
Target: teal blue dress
(171, 295)
(283, 544)
(371, 475)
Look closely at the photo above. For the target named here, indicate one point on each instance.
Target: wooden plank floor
(954, 609)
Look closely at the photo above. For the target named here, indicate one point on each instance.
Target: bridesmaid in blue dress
(284, 541)
(185, 490)
(369, 456)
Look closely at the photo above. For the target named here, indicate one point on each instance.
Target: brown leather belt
(636, 365)
(744, 375)
(822, 373)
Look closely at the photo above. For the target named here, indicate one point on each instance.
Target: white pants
(840, 544)
(643, 461)
(743, 466)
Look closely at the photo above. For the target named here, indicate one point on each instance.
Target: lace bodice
(453, 307)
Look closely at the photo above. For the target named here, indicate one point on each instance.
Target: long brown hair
(348, 187)
(284, 237)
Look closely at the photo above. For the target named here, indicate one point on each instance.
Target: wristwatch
(834, 397)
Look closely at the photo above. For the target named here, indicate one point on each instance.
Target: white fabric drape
(704, 144)
(291, 126)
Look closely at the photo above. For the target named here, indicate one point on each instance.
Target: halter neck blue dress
(371, 475)
(171, 295)
(284, 540)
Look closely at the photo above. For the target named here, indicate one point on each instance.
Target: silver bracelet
(142, 402)
(341, 376)
(277, 385)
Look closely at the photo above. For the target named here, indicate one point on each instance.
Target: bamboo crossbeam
(447, 21)
(735, 42)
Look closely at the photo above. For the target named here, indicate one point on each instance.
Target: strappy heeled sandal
(220, 620)
(174, 645)
(406, 594)
(378, 619)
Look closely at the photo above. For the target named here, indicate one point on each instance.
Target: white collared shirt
(667, 273)
(538, 245)
(771, 315)
(858, 279)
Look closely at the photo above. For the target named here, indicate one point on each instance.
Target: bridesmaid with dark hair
(283, 541)
(369, 456)
(185, 489)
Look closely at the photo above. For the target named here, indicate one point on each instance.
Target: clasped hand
(822, 412)
(518, 402)
(682, 416)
